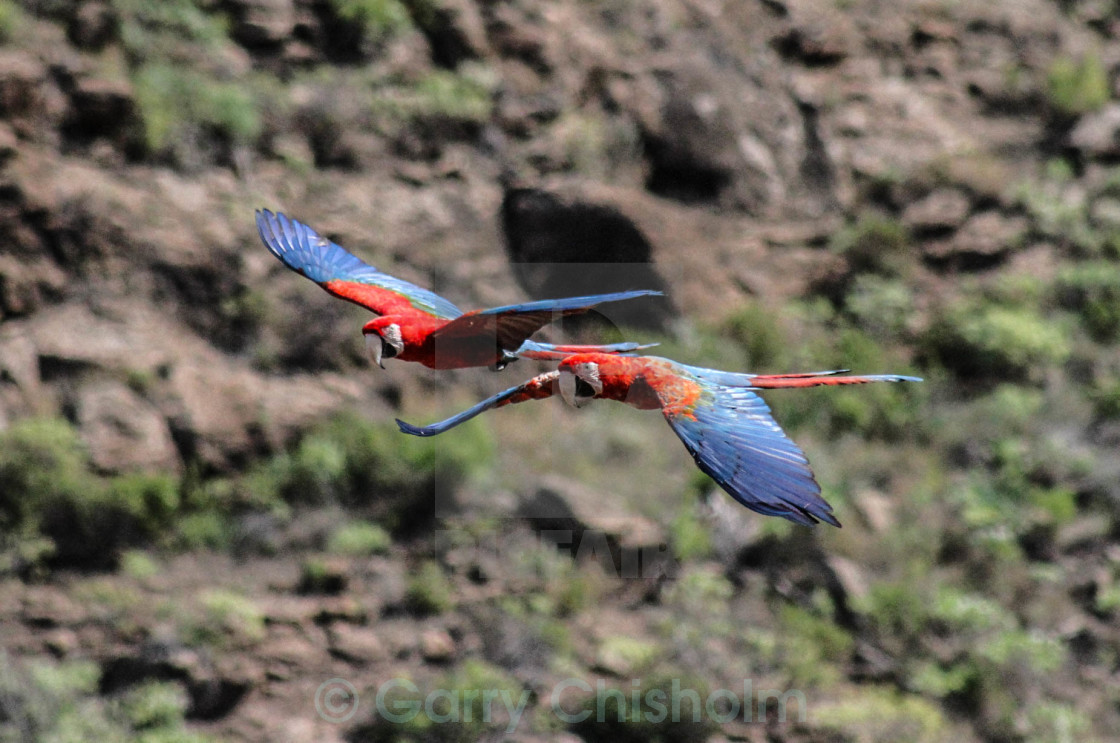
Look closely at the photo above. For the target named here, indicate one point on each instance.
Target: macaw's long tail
(818, 379)
(557, 352)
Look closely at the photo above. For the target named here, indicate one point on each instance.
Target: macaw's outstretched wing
(537, 388)
(732, 436)
(531, 349)
(511, 325)
(343, 274)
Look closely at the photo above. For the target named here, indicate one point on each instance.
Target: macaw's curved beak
(373, 347)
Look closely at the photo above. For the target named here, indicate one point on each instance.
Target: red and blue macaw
(726, 427)
(415, 324)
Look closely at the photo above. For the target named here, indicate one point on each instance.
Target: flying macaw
(419, 325)
(726, 427)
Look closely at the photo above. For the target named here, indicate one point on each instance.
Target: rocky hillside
(210, 528)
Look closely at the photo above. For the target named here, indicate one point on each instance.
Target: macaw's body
(726, 427)
(415, 324)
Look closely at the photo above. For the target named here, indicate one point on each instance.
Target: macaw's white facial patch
(384, 343)
(580, 384)
(373, 347)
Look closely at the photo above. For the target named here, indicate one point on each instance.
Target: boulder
(122, 430)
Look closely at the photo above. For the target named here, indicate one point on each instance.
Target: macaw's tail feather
(557, 352)
(818, 379)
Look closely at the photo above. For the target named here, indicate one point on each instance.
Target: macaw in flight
(726, 427)
(415, 324)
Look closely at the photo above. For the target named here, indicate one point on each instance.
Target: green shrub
(997, 342)
(451, 708)
(12, 19)
(689, 537)
(879, 305)
(227, 618)
(612, 715)
(60, 702)
(353, 462)
(883, 715)
(1092, 290)
(448, 95)
(376, 17)
(359, 539)
(1077, 86)
(177, 29)
(429, 590)
(154, 704)
(875, 244)
(183, 108)
(42, 461)
(322, 576)
(758, 331)
(48, 489)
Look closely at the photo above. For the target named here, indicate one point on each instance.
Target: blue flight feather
(303, 250)
(735, 440)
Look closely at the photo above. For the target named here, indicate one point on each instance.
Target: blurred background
(207, 513)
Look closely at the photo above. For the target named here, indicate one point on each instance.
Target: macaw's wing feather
(531, 349)
(733, 438)
(512, 324)
(569, 305)
(537, 388)
(343, 274)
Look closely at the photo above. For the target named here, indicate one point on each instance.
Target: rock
(345, 609)
(437, 646)
(851, 577)
(876, 509)
(61, 642)
(21, 85)
(213, 694)
(816, 39)
(573, 517)
(552, 241)
(49, 607)
(9, 144)
(941, 211)
(102, 109)
(123, 431)
(983, 240)
(1105, 213)
(324, 576)
(356, 644)
(264, 24)
(1097, 134)
(456, 32)
(92, 26)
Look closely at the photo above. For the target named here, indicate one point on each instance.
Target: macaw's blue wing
(569, 305)
(343, 274)
(511, 325)
(537, 388)
(531, 349)
(734, 439)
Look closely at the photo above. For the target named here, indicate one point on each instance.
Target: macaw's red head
(383, 339)
(579, 379)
